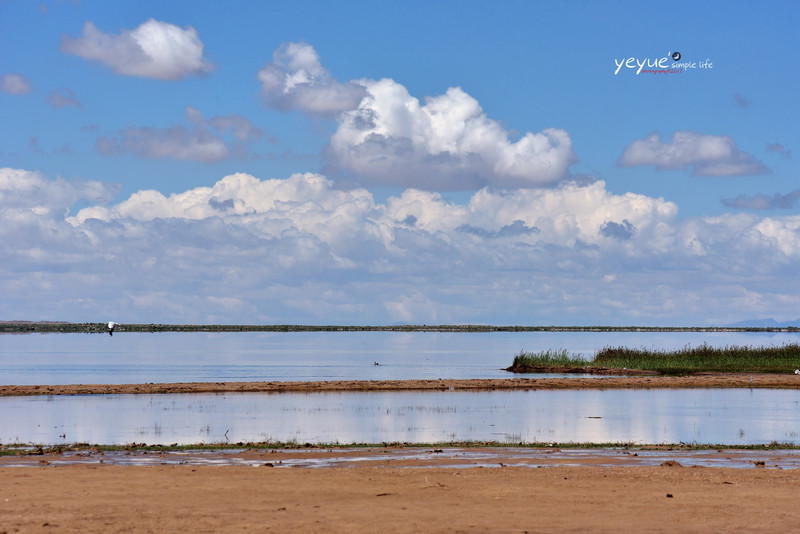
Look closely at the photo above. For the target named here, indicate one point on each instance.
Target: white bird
(111, 326)
(797, 371)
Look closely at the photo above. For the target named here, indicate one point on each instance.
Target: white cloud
(300, 250)
(399, 260)
(386, 136)
(706, 155)
(42, 257)
(295, 79)
(572, 215)
(445, 143)
(781, 233)
(236, 196)
(154, 49)
(309, 203)
(15, 84)
(29, 190)
(199, 140)
(411, 308)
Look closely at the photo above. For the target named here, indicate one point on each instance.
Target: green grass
(548, 358)
(704, 358)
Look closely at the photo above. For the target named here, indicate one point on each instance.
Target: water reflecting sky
(728, 416)
(224, 357)
(640, 416)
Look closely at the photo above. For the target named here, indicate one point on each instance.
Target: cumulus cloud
(198, 139)
(764, 202)
(309, 203)
(15, 84)
(387, 136)
(300, 250)
(779, 233)
(445, 143)
(295, 79)
(154, 49)
(31, 191)
(706, 155)
(62, 98)
(235, 195)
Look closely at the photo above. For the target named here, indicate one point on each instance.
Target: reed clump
(548, 358)
(703, 358)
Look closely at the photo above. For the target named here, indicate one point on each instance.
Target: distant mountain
(764, 323)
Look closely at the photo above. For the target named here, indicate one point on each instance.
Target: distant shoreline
(55, 327)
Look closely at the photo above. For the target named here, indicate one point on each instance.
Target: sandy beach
(664, 498)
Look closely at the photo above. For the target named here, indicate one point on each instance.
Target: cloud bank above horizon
(246, 246)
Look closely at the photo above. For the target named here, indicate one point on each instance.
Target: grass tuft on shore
(548, 358)
(704, 358)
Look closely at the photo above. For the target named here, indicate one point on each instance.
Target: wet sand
(181, 498)
(707, 380)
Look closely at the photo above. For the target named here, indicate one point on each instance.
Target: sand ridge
(705, 380)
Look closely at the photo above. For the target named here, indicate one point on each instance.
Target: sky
(426, 162)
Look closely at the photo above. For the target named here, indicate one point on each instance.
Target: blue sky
(424, 162)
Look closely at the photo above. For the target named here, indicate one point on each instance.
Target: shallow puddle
(413, 457)
(704, 416)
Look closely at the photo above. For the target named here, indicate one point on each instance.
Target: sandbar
(701, 380)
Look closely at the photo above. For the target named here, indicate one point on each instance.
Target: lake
(127, 358)
(728, 416)
(706, 416)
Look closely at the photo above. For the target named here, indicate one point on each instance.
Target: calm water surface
(729, 416)
(640, 416)
(129, 358)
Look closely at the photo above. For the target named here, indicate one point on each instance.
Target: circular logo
(676, 56)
